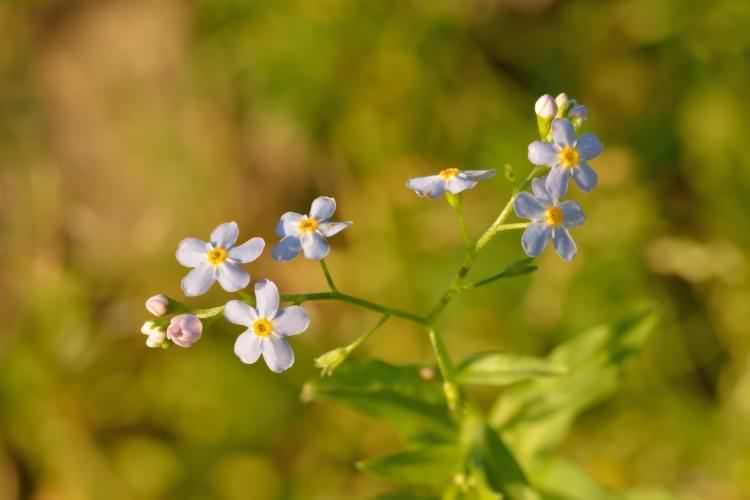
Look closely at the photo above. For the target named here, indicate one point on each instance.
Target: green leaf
(535, 415)
(472, 487)
(397, 393)
(404, 495)
(433, 465)
(498, 369)
(566, 481)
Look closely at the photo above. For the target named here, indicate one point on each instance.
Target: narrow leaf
(435, 465)
(499, 369)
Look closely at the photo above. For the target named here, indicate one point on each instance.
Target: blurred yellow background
(128, 125)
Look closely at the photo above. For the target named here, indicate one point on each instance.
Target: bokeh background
(128, 125)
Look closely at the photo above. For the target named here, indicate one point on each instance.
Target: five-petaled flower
(308, 233)
(267, 327)
(217, 259)
(451, 180)
(550, 220)
(568, 157)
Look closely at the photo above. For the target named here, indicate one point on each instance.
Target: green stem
(365, 304)
(367, 335)
(452, 393)
(327, 274)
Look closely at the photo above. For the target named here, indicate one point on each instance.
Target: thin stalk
(327, 274)
(365, 304)
(354, 345)
(450, 388)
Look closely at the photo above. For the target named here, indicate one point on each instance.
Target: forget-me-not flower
(568, 157)
(308, 233)
(267, 327)
(451, 180)
(550, 220)
(217, 259)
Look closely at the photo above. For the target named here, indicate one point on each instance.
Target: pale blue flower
(568, 156)
(267, 327)
(451, 180)
(308, 233)
(217, 259)
(550, 220)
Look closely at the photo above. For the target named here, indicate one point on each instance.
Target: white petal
(191, 252)
(331, 228)
(315, 246)
(543, 153)
(267, 298)
(199, 280)
(239, 313)
(458, 184)
(248, 251)
(322, 208)
(225, 235)
(232, 277)
(291, 320)
(248, 347)
(290, 223)
(277, 353)
(432, 186)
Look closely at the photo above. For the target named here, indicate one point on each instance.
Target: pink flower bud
(185, 330)
(545, 107)
(158, 305)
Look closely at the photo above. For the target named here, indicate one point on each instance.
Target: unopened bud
(578, 114)
(156, 335)
(159, 305)
(331, 360)
(563, 103)
(545, 107)
(185, 330)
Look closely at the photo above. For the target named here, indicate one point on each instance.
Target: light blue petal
(457, 184)
(572, 214)
(225, 235)
(579, 112)
(539, 188)
(232, 277)
(248, 347)
(248, 251)
(528, 207)
(315, 245)
(564, 244)
(280, 228)
(322, 208)
(432, 186)
(535, 238)
(585, 177)
(563, 132)
(277, 353)
(543, 153)
(291, 320)
(240, 313)
(589, 146)
(557, 182)
(290, 222)
(287, 249)
(331, 228)
(199, 280)
(191, 252)
(267, 298)
(477, 175)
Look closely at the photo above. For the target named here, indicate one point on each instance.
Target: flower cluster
(220, 259)
(567, 157)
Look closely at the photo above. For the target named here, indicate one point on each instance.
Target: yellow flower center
(217, 256)
(449, 173)
(308, 225)
(262, 327)
(554, 216)
(569, 157)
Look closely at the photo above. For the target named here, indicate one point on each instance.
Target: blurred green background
(128, 125)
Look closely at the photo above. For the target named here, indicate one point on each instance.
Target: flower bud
(331, 360)
(159, 305)
(185, 330)
(545, 107)
(563, 103)
(156, 335)
(577, 115)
